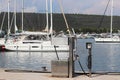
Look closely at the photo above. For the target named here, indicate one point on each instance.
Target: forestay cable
(68, 29)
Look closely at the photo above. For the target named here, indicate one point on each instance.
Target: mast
(46, 16)
(0, 8)
(47, 19)
(3, 17)
(8, 18)
(111, 25)
(22, 13)
(51, 17)
(15, 16)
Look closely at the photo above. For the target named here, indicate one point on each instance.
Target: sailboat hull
(107, 40)
(37, 48)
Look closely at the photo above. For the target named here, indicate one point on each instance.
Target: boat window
(31, 42)
(16, 46)
(36, 37)
(34, 46)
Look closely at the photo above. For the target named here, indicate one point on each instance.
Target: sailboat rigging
(111, 39)
(68, 29)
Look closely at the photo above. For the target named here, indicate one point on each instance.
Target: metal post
(71, 62)
(89, 47)
(89, 61)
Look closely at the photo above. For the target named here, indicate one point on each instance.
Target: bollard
(71, 62)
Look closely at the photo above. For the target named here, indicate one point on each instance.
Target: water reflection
(29, 60)
(105, 57)
(2, 60)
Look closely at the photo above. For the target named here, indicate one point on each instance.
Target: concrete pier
(47, 76)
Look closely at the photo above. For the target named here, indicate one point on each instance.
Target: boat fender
(3, 47)
(14, 40)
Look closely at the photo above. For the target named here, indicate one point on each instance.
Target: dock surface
(47, 76)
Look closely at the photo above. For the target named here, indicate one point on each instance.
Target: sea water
(105, 58)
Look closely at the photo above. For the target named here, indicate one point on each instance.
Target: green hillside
(80, 22)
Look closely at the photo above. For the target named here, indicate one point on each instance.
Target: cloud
(99, 6)
(96, 8)
(90, 6)
(30, 9)
(73, 6)
(3, 7)
(69, 6)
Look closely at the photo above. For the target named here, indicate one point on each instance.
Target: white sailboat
(111, 39)
(2, 40)
(37, 41)
(32, 41)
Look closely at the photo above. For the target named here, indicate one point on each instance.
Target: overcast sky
(69, 6)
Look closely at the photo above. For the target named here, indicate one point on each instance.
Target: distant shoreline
(80, 22)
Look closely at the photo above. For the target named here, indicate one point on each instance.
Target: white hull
(37, 48)
(2, 41)
(107, 40)
(57, 44)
